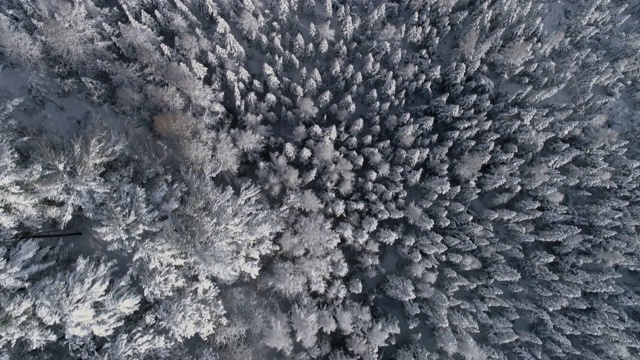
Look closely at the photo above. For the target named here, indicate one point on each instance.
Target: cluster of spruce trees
(421, 179)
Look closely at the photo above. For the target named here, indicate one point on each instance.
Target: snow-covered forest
(319, 179)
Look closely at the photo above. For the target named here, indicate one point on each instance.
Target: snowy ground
(558, 13)
(44, 106)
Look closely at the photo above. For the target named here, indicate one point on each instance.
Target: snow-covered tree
(72, 171)
(86, 301)
(225, 234)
